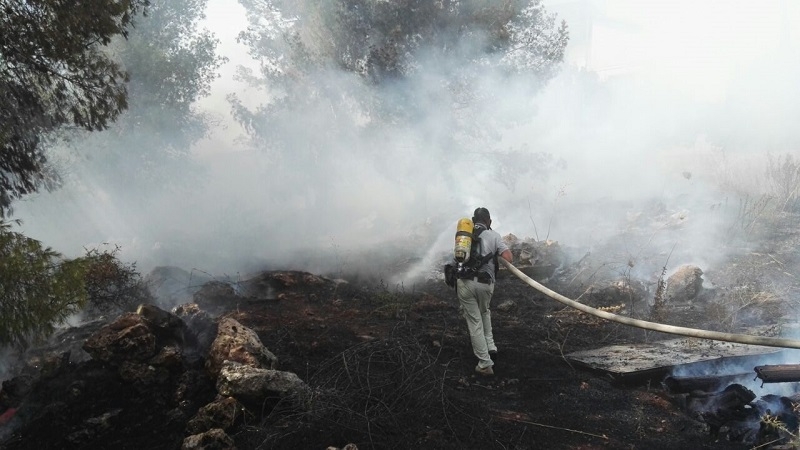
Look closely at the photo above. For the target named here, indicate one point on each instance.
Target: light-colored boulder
(128, 338)
(202, 328)
(235, 342)
(253, 384)
(685, 284)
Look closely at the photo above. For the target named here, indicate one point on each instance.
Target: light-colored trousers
(475, 298)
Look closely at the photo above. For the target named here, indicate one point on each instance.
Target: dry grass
(659, 310)
(370, 394)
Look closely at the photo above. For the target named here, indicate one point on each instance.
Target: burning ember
(734, 412)
(713, 384)
(7, 415)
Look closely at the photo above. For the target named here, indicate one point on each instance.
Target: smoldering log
(732, 398)
(732, 405)
(708, 384)
(778, 373)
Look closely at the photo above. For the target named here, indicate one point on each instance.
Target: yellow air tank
(463, 240)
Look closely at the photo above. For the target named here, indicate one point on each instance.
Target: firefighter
(476, 286)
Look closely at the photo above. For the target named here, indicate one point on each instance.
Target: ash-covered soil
(392, 367)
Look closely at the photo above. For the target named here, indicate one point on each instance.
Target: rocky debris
(685, 285)
(223, 413)
(511, 240)
(215, 439)
(283, 286)
(68, 341)
(215, 296)
(281, 279)
(140, 387)
(255, 385)
(735, 412)
(537, 259)
(142, 345)
(158, 319)
(235, 342)
(132, 390)
(201, 326)
(218, 297)
(94, 427)
(506, 306)
(14, 391)
(156, 354)
(50, 364)
(350, 446)
(145, 348)
(127, 338)
(193, 389)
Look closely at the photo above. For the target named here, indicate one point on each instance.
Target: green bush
(39, 289)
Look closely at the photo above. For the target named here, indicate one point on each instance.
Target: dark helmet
(481, 215)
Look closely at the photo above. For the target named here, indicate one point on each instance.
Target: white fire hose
(682, 331)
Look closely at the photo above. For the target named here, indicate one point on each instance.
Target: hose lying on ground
(682, 331)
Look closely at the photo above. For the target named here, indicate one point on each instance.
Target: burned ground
(391, 366)
(401, 373)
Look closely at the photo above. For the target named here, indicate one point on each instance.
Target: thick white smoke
(599, 150)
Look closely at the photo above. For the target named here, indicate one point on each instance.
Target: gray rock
(215, 439)
(506, 306)
(222, 413)
(685, 285)
(235, 342)
(252, 384)
(128, 338)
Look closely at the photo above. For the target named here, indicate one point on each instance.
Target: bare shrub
(745, 306)
(373, 394)
(764, 210)
(783, 178)
(392, 304)
(112, 285)
(658, 312)
(751, 211)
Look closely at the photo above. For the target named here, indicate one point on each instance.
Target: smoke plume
(639, 159)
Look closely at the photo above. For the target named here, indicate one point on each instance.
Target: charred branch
(778, 373)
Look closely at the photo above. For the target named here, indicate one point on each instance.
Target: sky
(663, 109)
(689, 45)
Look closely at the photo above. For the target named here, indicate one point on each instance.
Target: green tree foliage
(385, 39)
(54, 72)
(171, 63)
(370, 77)
(388, 41)
(38, 288)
